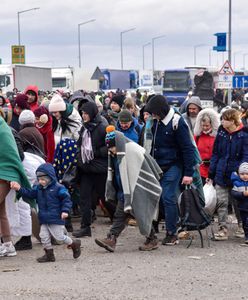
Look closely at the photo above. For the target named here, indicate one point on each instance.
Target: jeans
(170, 183)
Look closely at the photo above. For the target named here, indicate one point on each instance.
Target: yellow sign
(18, 54)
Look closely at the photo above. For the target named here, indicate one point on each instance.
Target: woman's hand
(15, 185)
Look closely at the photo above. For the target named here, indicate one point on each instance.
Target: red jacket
(49, 143)
(205, 144)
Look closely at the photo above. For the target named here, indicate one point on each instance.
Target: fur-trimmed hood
(215, 121)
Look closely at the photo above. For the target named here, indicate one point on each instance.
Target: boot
(149, 244)
(109, 243)
(83, 232)
(24, 243)
(221, 235)
(48, 257)
(76, 248)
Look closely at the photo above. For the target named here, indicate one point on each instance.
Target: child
(54, 204)
(240, 192)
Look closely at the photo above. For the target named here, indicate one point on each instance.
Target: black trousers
(89, 183)
(244, 217)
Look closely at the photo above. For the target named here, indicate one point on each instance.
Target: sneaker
(221, 235)
(170, 240)
(7, 249)
(239, 233)
(150, 244)
(132, 222)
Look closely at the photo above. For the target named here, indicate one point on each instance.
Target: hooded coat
(205, 141)
(52, 200)
(230, 150)
(34, 105)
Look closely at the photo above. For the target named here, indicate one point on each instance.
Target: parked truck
(20, 76)
(119, 79)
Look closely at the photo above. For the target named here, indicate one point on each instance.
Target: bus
(178, 82)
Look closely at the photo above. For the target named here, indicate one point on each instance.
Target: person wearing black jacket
(92, 163)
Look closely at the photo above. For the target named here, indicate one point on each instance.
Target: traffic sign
(225, 82)
(226, 69)
(240, 81)
(18, 54)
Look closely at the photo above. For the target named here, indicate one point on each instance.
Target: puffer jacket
(97, 129)
(239, 186)
(230, 150)
(52, 200)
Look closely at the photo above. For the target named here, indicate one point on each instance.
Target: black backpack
(192, 215)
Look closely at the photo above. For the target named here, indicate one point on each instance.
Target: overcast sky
(50, 33)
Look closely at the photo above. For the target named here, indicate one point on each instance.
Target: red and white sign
(226, 69)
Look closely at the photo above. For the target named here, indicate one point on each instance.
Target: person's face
(1, 101)
(146, 116)
(193, 110)
(86, 117)
(131, 109)
(37, 122)
(42, 181)
(31, 97)
(18, 110)
(57, 115)
(227, 124)
(115, 107)
(243, 176)
(206, 126)
(125, 125)
(112, 150)
(156, 117)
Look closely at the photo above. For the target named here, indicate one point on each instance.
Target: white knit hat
(26, 116)
(57, 103)
(243, 168)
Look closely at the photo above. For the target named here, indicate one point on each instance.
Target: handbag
(70, 177)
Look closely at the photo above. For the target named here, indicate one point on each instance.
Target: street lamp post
(195, 47)
(121, 34)
(153, 62)
(244, 55)
(18, 18)
(229, 95)
(143, 53)
(79, 40)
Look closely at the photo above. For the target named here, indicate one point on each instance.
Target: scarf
(86, 147)
(148, 136)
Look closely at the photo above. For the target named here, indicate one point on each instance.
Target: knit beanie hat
(243, 168)
(57, 103)
(125, 116)
(90, 108)
(21, 101)
(158, 105)
(110, 136)
(119, 99)
(26, 117)
(42, 113)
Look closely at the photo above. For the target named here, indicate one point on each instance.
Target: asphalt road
(216, 272)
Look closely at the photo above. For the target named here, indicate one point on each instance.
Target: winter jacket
(97, 131)
(133, 132)
(173, 146)
(193, 100)
(52, 200)
(230, 150)
(205, 144)
(34, 105)
(32, 140)
(74, 124)
(239, 186)
(48, 136)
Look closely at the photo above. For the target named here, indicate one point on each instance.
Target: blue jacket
(52, 200)
(239, 186)
(133, 132)
(229, 151)
(173, 146)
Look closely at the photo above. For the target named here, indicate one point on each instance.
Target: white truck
(71, 79)
(20, 76)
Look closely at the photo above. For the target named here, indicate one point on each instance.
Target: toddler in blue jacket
(54, 204)
(240, 192)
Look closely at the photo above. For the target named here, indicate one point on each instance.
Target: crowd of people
(131, 154)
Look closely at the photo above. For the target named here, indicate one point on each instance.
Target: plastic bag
(210, 198)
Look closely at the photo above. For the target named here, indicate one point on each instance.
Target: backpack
(192, 214)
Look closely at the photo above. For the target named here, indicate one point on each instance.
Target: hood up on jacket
(214, 120)
(34, 89)
(48, 170)
(194, 100)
